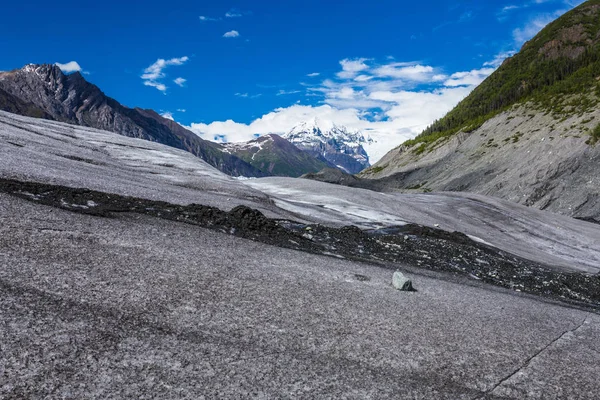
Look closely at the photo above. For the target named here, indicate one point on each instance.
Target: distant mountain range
(528, 133)
(44, 91)
(307, 148)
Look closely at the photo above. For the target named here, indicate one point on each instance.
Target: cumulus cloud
(71, 66)
(278, 121)
(415, 73)
(231, 34)
(155, 73)
(363, 78)
(468, 78)
(390, 101)
(350, 68)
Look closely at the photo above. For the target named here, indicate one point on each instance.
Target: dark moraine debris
(413, 245)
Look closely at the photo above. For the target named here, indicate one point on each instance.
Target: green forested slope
(558, 70)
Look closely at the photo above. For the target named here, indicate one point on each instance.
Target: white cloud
(509, 8)
(314, 74)
(155, 72)
(363, 78)
(379, 100)
(180, 81)
(499, 59)
(182, 110)
(279, 121)
(534, 26)
(160, 86)
(168, 115)
(350, 68)
(415, 73)
(204, 18)
(469, 78)
(390, 101)
(505, 11)
(233, 13)
(286, 92)
(231, 34)
(248, 96)
(503, 14)
(69, 67)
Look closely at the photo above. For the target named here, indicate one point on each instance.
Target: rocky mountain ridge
(276, 156)
(70, 98)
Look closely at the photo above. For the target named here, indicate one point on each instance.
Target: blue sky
(386, 67)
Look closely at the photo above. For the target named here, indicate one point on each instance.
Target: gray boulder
(401, 282)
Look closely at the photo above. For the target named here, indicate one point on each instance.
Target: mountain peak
(335, 143)
(324, 130)
(42, 69)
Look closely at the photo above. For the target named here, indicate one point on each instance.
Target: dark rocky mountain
(276, 156)
(528, 133)
(336, 144)
(14, 105)
(45, 91)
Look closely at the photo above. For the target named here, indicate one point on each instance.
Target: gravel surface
(140, 307)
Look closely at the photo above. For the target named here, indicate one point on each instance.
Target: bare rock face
(571, 42)
(14, 105)
(70, 98)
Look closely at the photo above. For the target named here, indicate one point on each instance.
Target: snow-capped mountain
(273, 155)
(334, 143)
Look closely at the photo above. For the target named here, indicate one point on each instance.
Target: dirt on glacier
(418, 246)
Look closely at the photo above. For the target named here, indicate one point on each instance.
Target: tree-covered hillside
(558, 70)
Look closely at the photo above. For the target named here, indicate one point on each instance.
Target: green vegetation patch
(374, 170)
(552, 72)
